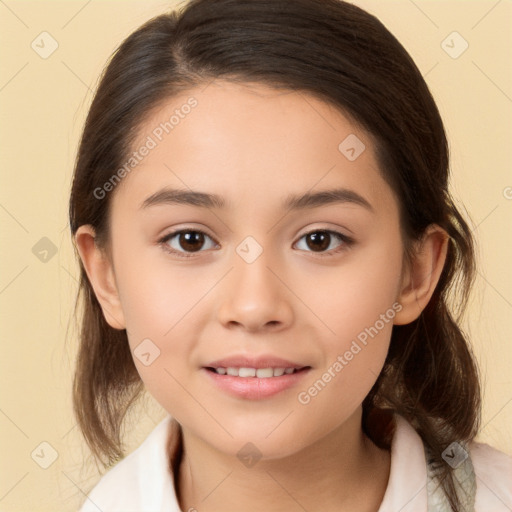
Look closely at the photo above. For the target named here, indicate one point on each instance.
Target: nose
(254, 297)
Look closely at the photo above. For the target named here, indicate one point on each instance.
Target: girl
(267, 245)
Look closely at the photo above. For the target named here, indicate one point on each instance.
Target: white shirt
(142, 481)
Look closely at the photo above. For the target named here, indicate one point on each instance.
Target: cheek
(359, 313)
(158, 295)
(364, 301)
(161, 304)
(353, 296)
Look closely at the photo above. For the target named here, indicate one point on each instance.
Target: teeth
(247, 372)
(264, 373)
(261, 373)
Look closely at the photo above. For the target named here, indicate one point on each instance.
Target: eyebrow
(307, 200)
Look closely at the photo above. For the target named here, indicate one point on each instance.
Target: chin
(251, 439)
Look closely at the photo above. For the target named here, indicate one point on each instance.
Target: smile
(255, 383)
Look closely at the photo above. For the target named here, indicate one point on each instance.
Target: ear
(420, 278)
(100, 272)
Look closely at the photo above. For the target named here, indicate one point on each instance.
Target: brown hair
(346, 57)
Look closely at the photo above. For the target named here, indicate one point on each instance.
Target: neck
(340, 472)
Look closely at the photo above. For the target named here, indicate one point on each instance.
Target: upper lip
(265, 361)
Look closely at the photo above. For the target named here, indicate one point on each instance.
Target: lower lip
(253, 388)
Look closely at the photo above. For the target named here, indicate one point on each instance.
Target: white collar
(407, 485)
(406, 490)
(143, 481)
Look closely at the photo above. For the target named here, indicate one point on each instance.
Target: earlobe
(422, 275)
(101, 276)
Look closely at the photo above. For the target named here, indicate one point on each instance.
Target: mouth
(251, 383)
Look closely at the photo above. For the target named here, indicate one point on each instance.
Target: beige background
(43, 106)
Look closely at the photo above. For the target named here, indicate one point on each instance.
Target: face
(258, 277)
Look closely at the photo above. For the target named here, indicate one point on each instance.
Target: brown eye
(191, 240)
(318, 241)
(184, 242)
(321, 241)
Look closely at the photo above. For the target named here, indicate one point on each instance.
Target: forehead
(251, 144)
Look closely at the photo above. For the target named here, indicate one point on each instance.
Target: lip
(254, 388)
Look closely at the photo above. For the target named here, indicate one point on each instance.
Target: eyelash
(346, 242)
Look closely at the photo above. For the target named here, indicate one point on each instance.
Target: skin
(253, 146)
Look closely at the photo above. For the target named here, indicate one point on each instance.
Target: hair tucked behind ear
(346, 57)
(430, 376)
